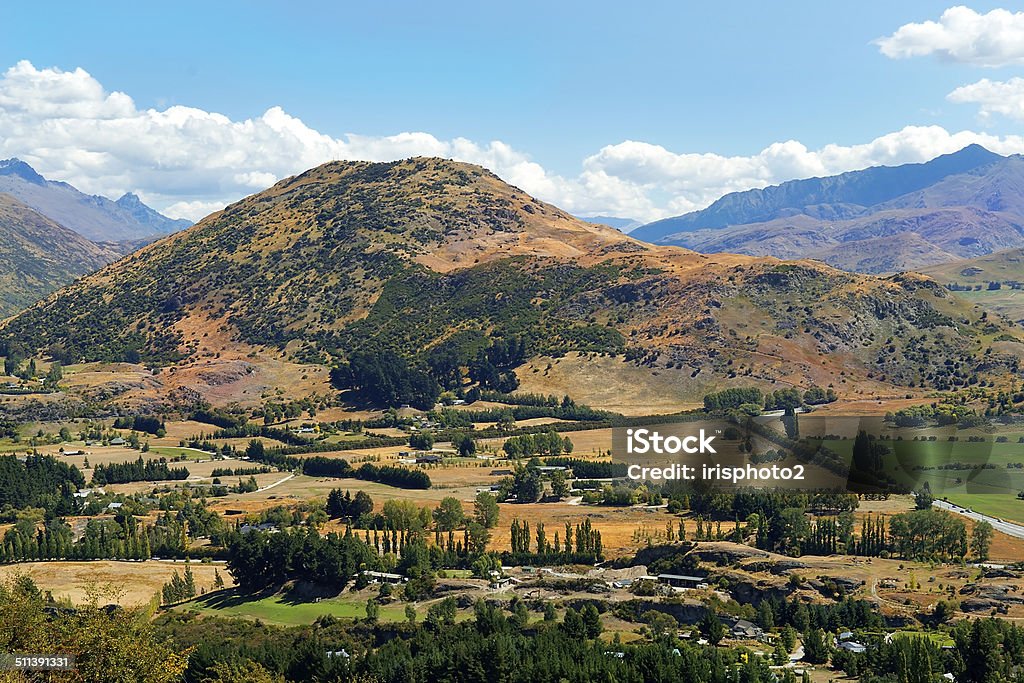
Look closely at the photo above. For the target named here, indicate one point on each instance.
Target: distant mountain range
(878, 220)
(96, 218)
(51, 234)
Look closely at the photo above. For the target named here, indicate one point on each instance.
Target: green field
(171, 452)
(8, 446)
(283, 610)
(1006, 506)
(457, 573)
(939, 639)
(916, 462)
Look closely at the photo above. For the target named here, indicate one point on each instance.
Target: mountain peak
(17, 167)
(970, 157)
(974, 149)
(129, 199)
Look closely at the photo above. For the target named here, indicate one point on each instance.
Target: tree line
(140, 470)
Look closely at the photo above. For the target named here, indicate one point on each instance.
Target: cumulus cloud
(188, 162)
(962, 35)
(1004, 98)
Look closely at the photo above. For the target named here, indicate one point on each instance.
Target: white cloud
(1005, 98)
(188, 162)
(962, 35)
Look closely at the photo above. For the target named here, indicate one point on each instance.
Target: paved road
(1008, 528)
(276, 483)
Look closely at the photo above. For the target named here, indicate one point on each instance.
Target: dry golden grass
(610, 383)
(137, 582)
(617, 525)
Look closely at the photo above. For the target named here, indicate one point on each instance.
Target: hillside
(993, 281)
(96, 218)
(37, 256)
(879, 220)
(436, 260)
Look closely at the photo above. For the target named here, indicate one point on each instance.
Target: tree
(765, 615)
(866, 466)
(442, 614)
(981, 539)
(591, 620)
(449, 515)
(479, 537)
(372, 610)
(410, 614)
(464, 444)
(421, 441)
(711, 627)
(923, 497)
(559, 487)
(255, 450)
(943, 611)
(247, 671)
(527, 485)
(572, 624)
(108, 645)
(486, 509)
(816, 647)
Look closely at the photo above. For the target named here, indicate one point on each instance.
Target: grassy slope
(38, 255)
(1003, 267)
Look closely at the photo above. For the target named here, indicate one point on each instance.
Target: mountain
(879, 220)
(832, 198)
(38, 256)
(887, 241)
(96, 218)
(437, 261)
(151, 219)
(622, 224)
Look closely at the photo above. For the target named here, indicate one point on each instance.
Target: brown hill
(437, 261)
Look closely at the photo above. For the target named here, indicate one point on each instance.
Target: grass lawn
(916, 462)
(457, 573)
(936, 637)
(1004, 506)
(171, 452)
(283, 610)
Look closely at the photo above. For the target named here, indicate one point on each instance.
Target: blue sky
(554, 82)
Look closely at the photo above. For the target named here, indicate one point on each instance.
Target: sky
(637, 110)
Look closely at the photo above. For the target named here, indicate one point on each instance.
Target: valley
(380, 401)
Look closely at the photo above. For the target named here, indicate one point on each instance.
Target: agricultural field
(76, 581)
(283, 610)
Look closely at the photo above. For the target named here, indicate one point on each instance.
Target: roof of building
(681, 577)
